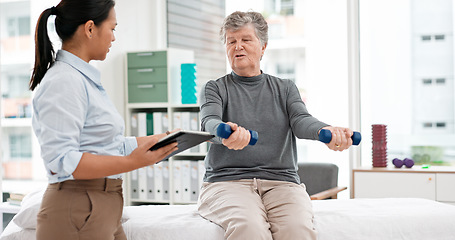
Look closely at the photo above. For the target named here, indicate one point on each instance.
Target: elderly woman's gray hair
(237, 20)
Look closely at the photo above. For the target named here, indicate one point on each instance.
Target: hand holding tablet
(184, 138)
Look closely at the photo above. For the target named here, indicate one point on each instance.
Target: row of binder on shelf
(149, 123)
(153, 183)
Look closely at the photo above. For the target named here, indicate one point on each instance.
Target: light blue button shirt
(72, 114)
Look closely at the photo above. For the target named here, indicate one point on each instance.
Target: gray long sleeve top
(267, 104)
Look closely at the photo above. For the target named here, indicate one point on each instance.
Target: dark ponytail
(44, 52)
(70, 14)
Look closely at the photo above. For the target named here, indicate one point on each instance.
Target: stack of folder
(153, 183)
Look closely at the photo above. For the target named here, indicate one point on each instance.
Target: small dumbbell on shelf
(399, 163)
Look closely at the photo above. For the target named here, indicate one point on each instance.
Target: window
(287, 7)
(427, 81)
(426, 37)
(440, 80)
(21, 162)
(286, 70)
(407, 82)
(439, 37)
(278, 7)
(440, 124)
(20, 146)
(18, 26)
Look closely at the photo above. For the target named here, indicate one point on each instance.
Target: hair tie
(53, 11)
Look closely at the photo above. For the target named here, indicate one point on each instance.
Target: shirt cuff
(130, 145)
(62, 170)
(71, 161)
(212, 126)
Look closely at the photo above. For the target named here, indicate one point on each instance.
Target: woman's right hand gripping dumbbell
(239, 138)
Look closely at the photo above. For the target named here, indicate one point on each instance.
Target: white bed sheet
(168, 222)
(14, 232)
(353, 219)
(381, 219)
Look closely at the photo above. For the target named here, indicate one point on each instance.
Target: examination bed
(387, 218)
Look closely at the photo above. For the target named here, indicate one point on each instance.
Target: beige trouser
(258, 209)
(82, 210)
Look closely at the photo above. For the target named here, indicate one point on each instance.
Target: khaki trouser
(258, 209)
(82, 210)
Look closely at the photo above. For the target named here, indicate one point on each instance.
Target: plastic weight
(399, 163)
(224, 131)
(325, 136)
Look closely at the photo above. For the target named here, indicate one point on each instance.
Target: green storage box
(147, 59)
(147, 75)
(153, 92)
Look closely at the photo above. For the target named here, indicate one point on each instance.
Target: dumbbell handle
(224, 131)
(325, 136)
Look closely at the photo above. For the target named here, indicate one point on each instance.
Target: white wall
(141, 27)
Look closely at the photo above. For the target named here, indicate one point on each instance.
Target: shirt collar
(83, 67)
(251, 80)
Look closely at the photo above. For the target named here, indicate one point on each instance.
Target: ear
(263, 49)
(89, 27)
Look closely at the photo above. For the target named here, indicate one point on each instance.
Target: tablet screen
(185, 139)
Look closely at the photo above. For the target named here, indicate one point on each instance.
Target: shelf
(185, 203)
(190, 154)
(185, 106)
(434, 183)
(415, 168)
(147, 105)
(23, 186)
(152, 184)
(6, 207)
(16, 122)
(160, 105)
(135, 200)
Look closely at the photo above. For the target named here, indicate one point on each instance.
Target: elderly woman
(254, 192)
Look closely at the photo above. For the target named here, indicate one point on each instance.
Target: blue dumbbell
(325, 136)
(224, 131)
